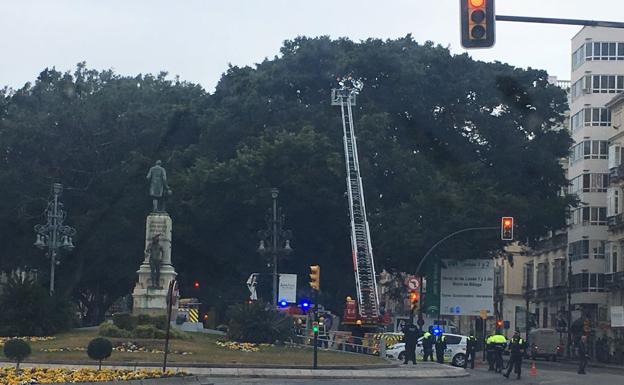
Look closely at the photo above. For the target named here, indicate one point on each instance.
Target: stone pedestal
(146, 298)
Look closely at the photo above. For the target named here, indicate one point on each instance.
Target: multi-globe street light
(54, 235)
(274, 240)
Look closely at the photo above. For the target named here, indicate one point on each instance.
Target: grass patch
(203, 349)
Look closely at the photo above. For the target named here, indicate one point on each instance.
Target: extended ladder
(363, 262)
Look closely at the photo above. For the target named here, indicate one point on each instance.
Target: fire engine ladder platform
(363, 262)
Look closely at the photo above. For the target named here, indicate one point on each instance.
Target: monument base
(147, 299)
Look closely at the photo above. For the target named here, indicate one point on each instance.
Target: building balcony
(616, 174)
(614, 280)
(616, 222)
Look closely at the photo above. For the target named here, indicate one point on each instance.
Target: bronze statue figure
(155, 253)
(158, 187)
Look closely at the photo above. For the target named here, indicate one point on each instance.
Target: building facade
(614, 262)
(597, 76)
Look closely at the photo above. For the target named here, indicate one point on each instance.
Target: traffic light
(196, 284)
(499, 324)
(507, 224)
(477, 23)
(315, 327)
(414, 296)
(315, 277)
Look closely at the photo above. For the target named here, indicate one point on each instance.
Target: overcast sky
(196, 39)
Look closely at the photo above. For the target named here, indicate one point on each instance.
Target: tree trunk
(100, 367)
(17, 366)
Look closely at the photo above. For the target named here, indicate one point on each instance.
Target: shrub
(144, 331)
(16, 350)
(110, 330)
(44, 315)
(159, 322)
(125, 321)
(99, 349)
(254, 323)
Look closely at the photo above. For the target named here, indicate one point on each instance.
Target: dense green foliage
(445, 143)
(255, 323)
(99, 349)
(28, 310)
(16, 350)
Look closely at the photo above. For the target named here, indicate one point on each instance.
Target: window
(586, 248)
(589, 149)
(589, 182)
(590, 117)
(597, 51)
(453, 340)
(588, 282)
(607, 84)
(559, 272)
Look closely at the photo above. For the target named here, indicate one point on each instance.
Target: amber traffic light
(507, 225)
(414, 296)
(315, 277)
(477, 23)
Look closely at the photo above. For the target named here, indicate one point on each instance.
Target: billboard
(288, 288)
(467, 287)
(617, 316)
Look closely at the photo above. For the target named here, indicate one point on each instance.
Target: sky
(198, 39)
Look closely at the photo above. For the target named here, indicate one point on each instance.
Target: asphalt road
(547, 373)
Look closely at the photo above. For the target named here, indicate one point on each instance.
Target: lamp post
(569, 342)
(275, 241)
(54, 235)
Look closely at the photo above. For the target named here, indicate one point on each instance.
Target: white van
(543, 343)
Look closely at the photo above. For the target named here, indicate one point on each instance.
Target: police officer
(489, 346)
(517, 347)
(427, 343)
(500, 342)
(582, 354)
(410, 337)
(471, 348)
(440, 347)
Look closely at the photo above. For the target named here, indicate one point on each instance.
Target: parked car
(543, 343)
(455, 352)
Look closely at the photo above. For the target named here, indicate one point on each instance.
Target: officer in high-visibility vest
(440, 347)
(471, 348)
(489, 347)
(500, 342)
(427, 343)
(517, 347)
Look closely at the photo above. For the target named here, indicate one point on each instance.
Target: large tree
(445, 142)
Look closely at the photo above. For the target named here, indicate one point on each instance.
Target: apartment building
(597, 76)
(614, 263)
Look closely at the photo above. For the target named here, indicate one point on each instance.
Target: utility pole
(54, 235)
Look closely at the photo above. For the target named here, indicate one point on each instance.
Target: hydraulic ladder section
(363, 262)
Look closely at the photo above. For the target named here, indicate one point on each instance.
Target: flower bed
(27, 339)
(33, 376)
(241, 346)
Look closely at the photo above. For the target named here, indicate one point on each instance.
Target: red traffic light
(477, 23)
(196, 284)
(414, 296)
(499, 323)
(507, 225)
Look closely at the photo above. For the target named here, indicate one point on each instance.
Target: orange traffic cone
(533, 370)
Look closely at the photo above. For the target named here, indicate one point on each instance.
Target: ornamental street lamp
(274, 241)
(54, 236)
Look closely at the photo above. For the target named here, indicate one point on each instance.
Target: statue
(155, 253)
(159, 189)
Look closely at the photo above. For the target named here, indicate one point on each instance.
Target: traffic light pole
(551, 20)
(316, 332)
